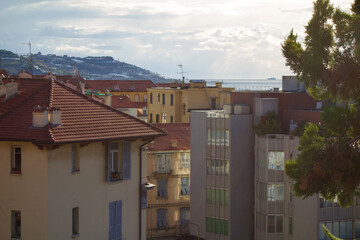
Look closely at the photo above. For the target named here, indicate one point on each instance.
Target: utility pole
(31, 62)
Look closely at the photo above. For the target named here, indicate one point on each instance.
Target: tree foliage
(268, 124)
(328, 62)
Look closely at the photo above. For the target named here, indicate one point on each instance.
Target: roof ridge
(24, 101)
(110, 108)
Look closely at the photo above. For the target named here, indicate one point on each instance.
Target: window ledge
(75, 235)
(75, 171)
(16, 173)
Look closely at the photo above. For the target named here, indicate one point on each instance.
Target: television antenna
(31, 62)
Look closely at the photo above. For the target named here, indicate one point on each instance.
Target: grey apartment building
(239, 186)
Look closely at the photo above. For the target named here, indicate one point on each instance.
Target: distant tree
(268, 124)
(329, 65)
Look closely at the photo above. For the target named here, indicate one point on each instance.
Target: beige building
(173, 104)
(70, 167)
(168, 167)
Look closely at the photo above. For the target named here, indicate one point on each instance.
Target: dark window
(151, 119)
(16, 160)
(158, 97)
(151, 98)
(163, 99)
(185, 190)
(119, 166)
(75, 158)
(16, 224)
(161, 186)
(171, 119)
(161, 217)
(75, 221)
(143, 199)
(171, 99)
(157, 118)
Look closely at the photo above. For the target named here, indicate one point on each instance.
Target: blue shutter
(112, 221)
(160, 187)
(118, 220)
(126, 160)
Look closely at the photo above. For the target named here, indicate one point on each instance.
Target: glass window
(75, 158)
(271, 224)
(329, 227)
(322, 202)
(75, 221)
(335, 231)
(151, 98)
(321, 232)
(16, 224)
(357, 228)
(16, 160)
(275, 192)
(185, 188)
(290, 226)
(342, 230)
(171, 119)
(185, 213)
(136, 98)
(162, 188)
(171, 99)
(185, 160)
(161, 217)
(163, 99)
(349, 227)
(226, 167)
(145, 98)
(276, 160)
(164, 162)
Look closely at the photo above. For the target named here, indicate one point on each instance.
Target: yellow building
(172, 104)
(168, 167)
(70, 167)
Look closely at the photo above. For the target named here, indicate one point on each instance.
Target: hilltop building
(71, 167)
(168, 167)
(173, 104)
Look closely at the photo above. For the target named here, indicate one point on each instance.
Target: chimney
(173, 143)
(40, 117)
(11, 89)
(82, 87)
(55, 116)
(107, 97)
(218, 84)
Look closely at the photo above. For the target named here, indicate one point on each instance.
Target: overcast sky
(211, 39)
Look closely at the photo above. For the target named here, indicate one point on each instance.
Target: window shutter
(112, 221)
(126, 160)
(164, 187)
(111, 146)
(118, 220)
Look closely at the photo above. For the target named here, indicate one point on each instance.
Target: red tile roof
(122, 101)
(121, 85)
(179, 132)
(83, 119)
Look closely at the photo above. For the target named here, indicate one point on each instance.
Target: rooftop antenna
(31, 62)
(182, 74)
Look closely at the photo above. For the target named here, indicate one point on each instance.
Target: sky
(224, 39)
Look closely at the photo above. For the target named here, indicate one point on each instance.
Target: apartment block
(70, 167)
(173, 104)
(168, 167)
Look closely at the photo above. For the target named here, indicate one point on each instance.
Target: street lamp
(183, 221)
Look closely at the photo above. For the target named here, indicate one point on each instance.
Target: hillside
(91, 68)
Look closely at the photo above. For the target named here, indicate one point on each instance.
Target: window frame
(15, 224)
(161, 217)
(75, 158)
(15, 164)
(75, 221)
(120, 168)
(185, 186)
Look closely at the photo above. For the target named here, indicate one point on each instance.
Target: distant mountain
(91, 68)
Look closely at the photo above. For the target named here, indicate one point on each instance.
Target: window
(185, 190)
(163, 118)
(321, 201)
(172, 99)
(164, 162)
(275, 224)
(290, 226)
(16, 224)
(119, 161)
(163, 99)
(161, 186)
(151, 118)
(75, 221)
(158, 97)
(184, 108)
(261, 190)
(136, 98)
(75, 158)
(151, 98)
(115, 220)
(171, 119)
(16, 160)
(276, 160)
(335, 231)
(161, 217)
(218, 226)
(185, 213)
(357, 228)
(217, 196)
(275, 192)
(342, 230)
(349, 229)
(185, 160)
(157, 118)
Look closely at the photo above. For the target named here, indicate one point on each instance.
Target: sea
(248, 84)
